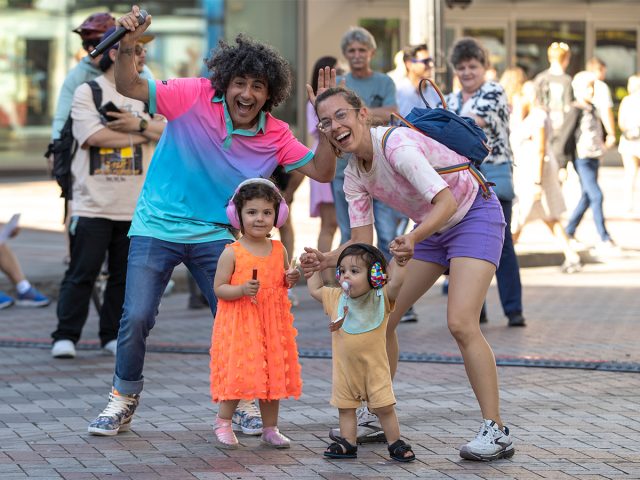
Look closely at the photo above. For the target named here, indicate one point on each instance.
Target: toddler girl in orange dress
(253, 347)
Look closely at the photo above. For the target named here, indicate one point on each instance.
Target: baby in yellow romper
(359, 310)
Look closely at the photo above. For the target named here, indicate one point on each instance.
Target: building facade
(37, 46)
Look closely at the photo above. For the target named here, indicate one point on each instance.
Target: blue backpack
(460, 134)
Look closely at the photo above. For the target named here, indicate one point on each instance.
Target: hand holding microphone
(137, 20)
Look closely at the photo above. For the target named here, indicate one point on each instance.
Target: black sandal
(341, 448)
(397, 450)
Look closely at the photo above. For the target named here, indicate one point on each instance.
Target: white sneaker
(63, 349)
(369, 428)
(607, 249)
(111, 347)
(492, 443)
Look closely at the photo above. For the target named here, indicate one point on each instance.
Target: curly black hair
(251, 58)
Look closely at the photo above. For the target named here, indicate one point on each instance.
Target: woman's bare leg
(469, 280)
(420, 277)
(570, 254)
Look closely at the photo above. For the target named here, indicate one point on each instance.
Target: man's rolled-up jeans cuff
(128, 387)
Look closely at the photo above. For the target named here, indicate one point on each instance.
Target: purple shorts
(479, 234)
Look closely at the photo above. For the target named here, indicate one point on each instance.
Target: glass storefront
(534, 37)
(618, 49)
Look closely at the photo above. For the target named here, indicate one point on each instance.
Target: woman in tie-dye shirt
(457, 229)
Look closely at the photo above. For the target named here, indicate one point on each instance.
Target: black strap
(96, 91)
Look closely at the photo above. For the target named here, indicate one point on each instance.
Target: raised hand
(130, 22)
(326, 79)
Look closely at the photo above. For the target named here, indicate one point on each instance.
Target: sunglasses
(428, 62)
(340, 116)
(139, 50)
(560, 45)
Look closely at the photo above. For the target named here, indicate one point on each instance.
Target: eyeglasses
(139, 50)
(340, 116)
(428, 62)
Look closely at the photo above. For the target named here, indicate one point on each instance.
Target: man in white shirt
(602, 99)
(419, 66)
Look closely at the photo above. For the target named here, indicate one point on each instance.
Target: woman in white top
(536, 179)
(458, 228)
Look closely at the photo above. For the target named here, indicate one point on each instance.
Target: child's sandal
(341, 448)
(398, 449)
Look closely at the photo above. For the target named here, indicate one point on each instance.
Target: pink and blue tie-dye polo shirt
(200, 160)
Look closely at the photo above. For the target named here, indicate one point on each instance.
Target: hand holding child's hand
(250, 288)
(402, 249)
(292, 275)
(311, 261)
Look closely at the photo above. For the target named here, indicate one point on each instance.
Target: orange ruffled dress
(253, 347)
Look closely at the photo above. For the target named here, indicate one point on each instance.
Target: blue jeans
(389, 223)
(508, 273)
(587, 169)
(151, 262)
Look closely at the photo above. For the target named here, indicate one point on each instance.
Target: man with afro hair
(219, 133)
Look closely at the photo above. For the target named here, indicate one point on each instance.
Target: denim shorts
(480, 234)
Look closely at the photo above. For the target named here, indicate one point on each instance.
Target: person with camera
(115, 147)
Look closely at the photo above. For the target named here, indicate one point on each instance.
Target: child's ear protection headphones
(282, 212)
(377, 274)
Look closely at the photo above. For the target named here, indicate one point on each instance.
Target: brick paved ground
(567, 423)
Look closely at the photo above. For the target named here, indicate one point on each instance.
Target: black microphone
(115, 37)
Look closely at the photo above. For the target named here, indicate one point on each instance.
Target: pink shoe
(271, 436)
(224, 433)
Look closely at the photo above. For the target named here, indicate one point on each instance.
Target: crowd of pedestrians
(144, 207)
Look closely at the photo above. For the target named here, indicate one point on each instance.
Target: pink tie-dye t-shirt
(405, 178)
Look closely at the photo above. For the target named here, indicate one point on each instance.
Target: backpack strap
(424, 82)
(96, 92)
(475, 173)
(473, 170)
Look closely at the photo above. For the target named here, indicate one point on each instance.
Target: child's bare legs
(389, 421)
(269, 411)
(222, 427)
(391, 426)
(270, 434)
(226, 409)
(469, 281)
(348, 424)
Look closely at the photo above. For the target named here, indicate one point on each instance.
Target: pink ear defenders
(282, 211)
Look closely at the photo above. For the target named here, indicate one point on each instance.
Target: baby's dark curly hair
(250, 58)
